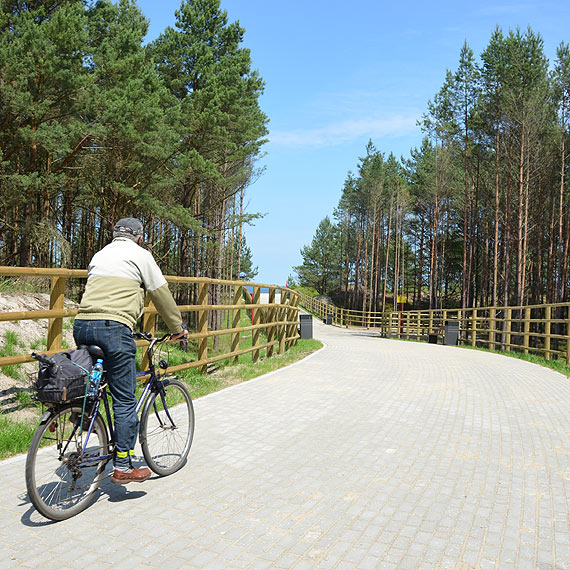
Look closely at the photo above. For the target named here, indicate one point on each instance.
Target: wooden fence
(540, 329)
(278, 320)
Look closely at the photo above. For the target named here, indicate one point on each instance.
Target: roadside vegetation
(16, 429)
(557, 365)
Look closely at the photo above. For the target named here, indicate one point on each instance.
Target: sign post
(401, 299)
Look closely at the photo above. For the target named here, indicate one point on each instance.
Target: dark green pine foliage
(478, 215)
(221, 126)
(131, 109)
(321, 259)
(96, 125)
(247, 270)
(42, 92)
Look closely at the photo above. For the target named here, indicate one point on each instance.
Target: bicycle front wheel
(167, 427)
(61, 478)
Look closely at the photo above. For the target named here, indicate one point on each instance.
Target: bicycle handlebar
(149, 337)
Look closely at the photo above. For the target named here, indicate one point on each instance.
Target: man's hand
(182, 335)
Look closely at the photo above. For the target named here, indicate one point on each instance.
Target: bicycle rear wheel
(60, 478)
(167, 427)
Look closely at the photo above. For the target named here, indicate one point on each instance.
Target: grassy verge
(19, 285)
(12, 346)
(15, 436)
(557, 365)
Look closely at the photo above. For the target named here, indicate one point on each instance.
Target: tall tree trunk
(387, 255)
(525, 233)
(372, 260)
(520, 222)
(497, 218)
(365, 267)
(465, 275)
(433, 256)
(566, 247)
(421, 257)
(507, 234)
(240, 237)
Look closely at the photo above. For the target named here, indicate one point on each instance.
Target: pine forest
(479, 215)
(96, 125)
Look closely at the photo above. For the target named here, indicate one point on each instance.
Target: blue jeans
(116, 341)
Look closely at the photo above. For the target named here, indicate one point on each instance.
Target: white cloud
(348, 130)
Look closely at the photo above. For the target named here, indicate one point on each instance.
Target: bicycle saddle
(94, 351)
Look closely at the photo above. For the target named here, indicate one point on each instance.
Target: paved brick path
(370, 454)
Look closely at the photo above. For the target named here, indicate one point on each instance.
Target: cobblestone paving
(370, 454)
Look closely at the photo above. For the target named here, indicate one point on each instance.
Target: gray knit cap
(131, 228)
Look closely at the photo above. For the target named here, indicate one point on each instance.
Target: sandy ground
(27, 333)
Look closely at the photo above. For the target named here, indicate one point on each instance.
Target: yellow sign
(402, 299)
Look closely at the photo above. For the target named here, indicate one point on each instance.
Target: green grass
(557, 365)
(24, 285)
(15, 436)
(200, 384)
(248, 370)
(24, 398)
(12, 346)
(39, 344)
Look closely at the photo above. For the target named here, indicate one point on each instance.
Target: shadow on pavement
(109, 491)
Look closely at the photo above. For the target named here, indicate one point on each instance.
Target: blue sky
(339, 74)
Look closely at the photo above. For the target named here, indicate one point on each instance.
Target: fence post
(271, 318)
(255, 321)
(474, 327)
(547, 328)
(56, 302)
(283, 328)
(419, 313)
(292, 313)
(492, 314)
(203, 325)
(149, 320)
(526, 330)
(508, 328)
(238, 293)
(567, 334)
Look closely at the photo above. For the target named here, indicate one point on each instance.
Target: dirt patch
(28, 333)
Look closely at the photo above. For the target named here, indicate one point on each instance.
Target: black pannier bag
(63, 376)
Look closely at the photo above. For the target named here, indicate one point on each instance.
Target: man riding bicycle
(118, 276)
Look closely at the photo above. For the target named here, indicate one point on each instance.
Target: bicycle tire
(165, 444)
(60, 481)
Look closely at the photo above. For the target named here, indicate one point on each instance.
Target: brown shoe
(136, 476)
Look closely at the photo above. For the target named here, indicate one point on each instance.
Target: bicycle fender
(45, 416)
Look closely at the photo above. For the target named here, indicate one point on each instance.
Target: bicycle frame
(80, 442)
(151, 384)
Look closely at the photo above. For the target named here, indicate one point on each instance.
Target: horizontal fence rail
(274, 325)
(539, 329)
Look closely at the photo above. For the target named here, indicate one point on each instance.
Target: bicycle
(74, 442)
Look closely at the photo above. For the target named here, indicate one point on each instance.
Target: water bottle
(95, 378)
